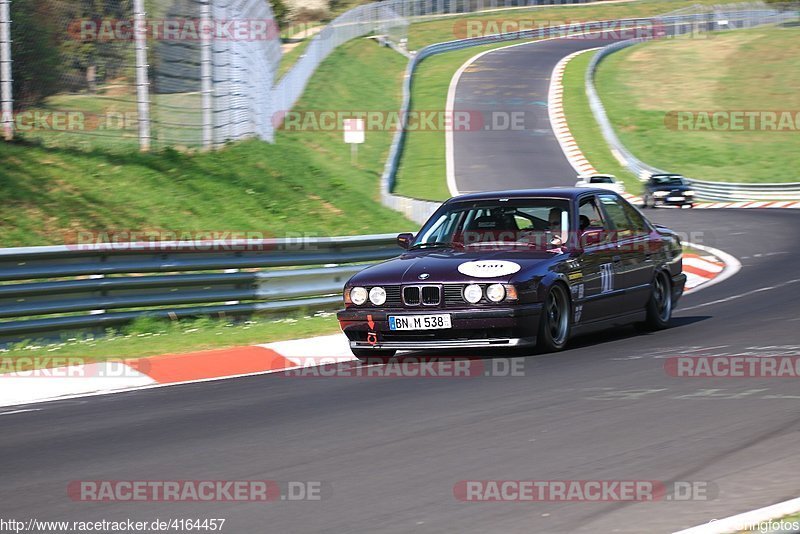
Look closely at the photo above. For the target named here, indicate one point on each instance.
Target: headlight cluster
(358, 295)
(494, 292)
(689, 193)
(661, 194)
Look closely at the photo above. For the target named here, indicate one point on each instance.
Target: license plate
(676, 199)
(419, 322)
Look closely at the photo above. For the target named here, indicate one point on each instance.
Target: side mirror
(404, 240)
(591, 237)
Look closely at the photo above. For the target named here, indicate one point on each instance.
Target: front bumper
(665, 201)
(479, 327)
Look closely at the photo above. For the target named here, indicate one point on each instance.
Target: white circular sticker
(488, 268)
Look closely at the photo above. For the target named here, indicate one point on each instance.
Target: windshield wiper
(432, 244)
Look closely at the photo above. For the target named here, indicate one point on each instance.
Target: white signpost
(354, 135)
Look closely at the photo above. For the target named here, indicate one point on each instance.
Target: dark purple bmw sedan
(516, 268)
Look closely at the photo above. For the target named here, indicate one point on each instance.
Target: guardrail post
(6, 95)
(142, 80)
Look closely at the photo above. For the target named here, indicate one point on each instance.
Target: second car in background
(667, 190)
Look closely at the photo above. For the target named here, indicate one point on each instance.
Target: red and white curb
(700, 270)
(750, 204)
(788, 204)
(558, 121)
(24, 387)
(747, 521)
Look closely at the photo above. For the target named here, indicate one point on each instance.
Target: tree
(280, 12)
(36, 68)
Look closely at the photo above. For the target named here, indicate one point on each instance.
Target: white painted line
(12, 412)
(69, 381)
(745, 521)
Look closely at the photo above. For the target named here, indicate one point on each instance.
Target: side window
(639, 225)
(616, 214)
(588, 210)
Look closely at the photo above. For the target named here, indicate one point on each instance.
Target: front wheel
(659, 307)
(555, 322)
(373, 355)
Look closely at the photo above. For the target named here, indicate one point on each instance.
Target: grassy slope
(743, 70)
(303, 183)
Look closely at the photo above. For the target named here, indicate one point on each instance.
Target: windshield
(602, 180)
(668, 180)
(515, 223)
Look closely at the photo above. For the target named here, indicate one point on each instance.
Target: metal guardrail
(419, 210)
(68, 287)
(705, 190)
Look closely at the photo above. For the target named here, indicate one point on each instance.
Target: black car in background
(667, 190)
(516, 268)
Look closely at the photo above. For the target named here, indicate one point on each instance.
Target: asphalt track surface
(505, 85)
(389, 450)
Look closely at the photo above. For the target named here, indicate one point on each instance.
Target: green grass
(584, 127)
(755, 69)
(304, 183)
(150, 337)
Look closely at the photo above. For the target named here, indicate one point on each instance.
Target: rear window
(601, 180)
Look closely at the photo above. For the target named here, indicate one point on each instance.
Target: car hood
(442, 266)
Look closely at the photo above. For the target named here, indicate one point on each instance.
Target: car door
(594, 289)
(629, 257)
(642, 261)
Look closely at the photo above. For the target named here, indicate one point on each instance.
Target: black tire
(659, 307)
(373, 355)
(555, 323)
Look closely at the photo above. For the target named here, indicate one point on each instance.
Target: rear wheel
(372, 355)
(555, 322)
(659, 307)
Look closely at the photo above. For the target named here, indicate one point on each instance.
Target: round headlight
(377, 295)
(496, 292)
(473, 293)
(358, 295)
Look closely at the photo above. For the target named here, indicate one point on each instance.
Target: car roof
(566, 193)
(596, 175)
